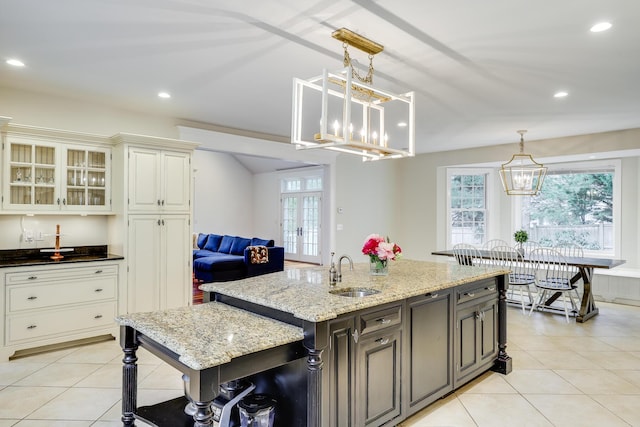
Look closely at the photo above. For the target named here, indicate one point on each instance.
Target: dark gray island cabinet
(376, 360)
(329, 360)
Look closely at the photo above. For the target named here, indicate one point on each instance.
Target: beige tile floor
(563, 375)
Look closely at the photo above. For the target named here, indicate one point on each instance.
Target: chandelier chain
(354, 72)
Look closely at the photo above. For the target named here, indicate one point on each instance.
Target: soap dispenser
(333, 273)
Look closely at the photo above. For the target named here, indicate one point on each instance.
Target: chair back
(522, 273)
(570, 250)
(530, 246)
(466, 254)
(490, 244)
(551, 269)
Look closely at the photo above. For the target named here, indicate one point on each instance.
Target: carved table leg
(503, 363)
(204, 415)
(129, 375)
(314, 393)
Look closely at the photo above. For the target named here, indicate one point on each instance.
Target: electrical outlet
(39, 236)
(28, 236)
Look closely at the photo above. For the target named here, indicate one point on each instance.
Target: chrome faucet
(339, 272)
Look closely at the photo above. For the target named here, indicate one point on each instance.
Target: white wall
(266, 199)
(76, 230)
(60, 112)
(366, 193)
(223, 200)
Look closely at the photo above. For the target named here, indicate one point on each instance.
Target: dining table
(585, 267)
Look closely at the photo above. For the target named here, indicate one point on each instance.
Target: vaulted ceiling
(481, 69)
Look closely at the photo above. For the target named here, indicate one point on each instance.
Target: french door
(301, 221)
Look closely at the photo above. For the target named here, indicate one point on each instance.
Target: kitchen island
(422, 331)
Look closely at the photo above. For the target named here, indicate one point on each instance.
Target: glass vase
(378, 268)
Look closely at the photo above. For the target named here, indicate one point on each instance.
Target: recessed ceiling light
(600, 26)
(402, 124)
(15, 62)
(560, 94)
(165, 95)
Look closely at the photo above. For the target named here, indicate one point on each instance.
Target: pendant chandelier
(522, 176)
(343, 111)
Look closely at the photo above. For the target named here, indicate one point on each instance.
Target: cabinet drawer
(376, 320)
(476, 291)
(32, 326)
(39, 276)
(27, 297)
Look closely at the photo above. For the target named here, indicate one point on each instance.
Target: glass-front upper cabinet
(32, 173)
(87, 178)
(56, 177)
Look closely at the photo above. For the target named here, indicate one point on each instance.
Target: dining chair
(552, 275)
(489, 245)
(522, 274)
(571, 250)
(467, 254)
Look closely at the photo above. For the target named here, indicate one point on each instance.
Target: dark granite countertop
(32, 257)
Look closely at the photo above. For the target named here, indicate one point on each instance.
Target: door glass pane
(310, 224)
(290, 224)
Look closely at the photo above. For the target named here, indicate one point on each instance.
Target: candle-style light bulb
(362, 134)
(386, 139)
(350, 131)
(374, 135)
(336, 126)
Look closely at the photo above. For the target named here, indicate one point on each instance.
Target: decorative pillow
(262, 242)
(202, 240)
(213, 242)
(225, 244)
(259, 254)
(239, 245)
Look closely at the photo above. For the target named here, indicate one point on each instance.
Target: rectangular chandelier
(343, 112)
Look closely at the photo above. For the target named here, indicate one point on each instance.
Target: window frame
(489, 202)
(586, 166)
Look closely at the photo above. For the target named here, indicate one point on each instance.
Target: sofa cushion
(213, 242)
(262, 242)
(239, 245)
(201, 240)
(219, 262)
(201, 253)
(225, 244)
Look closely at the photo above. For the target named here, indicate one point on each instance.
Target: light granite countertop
(208, 335)
(304, 292)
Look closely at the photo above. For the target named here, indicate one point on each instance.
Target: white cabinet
(159, 180)
(159, 259)
(151, 226)
(52, 304)
(43, 174)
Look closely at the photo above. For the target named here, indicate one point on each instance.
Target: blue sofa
(220, 258)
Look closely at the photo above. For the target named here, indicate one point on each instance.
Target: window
(467, 206)
(576, 206)
(300, 184)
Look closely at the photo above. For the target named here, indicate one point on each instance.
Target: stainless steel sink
(354, 292)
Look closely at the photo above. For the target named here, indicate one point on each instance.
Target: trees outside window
(574, 207)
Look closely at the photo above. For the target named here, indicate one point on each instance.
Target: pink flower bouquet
(380, 250)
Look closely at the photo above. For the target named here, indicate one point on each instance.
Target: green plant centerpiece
(521, 236)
